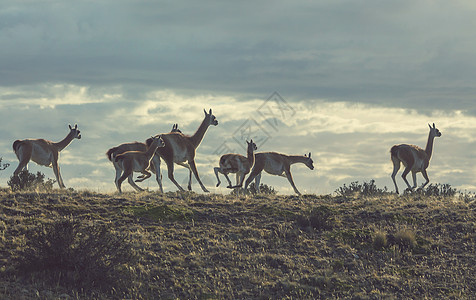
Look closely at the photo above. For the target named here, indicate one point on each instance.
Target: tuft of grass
(322, 217)
(379, 240)
(406, 239)
(319, 218)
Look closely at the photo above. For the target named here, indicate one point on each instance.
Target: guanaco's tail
(16, 144)
(394, 151)
(110, 153)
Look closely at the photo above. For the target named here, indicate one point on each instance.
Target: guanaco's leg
(291, 181)
(56, 170)
(396, 167)
(130, 179)
(145, 175)
(193, 167)
(217, 170)
(155, 167)
(257, 183)
(425, 175)
(24, 155)
(126, 174)
(414, 180)
(255, 172)
(118, 175)
(170, 169)
(404, 175)
(240, 177)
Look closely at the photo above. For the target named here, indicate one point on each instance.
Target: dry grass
(189, 245)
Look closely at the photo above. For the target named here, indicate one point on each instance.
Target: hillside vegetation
(84, 245)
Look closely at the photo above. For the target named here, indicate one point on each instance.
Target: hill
(84, 245)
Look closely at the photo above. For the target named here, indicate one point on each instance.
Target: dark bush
(29, 181)
(319, 218)
(3, 166)
(76, 256)
(264, 189)
(366, 189)
(437, 189)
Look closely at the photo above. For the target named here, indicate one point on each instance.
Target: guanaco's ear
(75, 126)
(434, 125)
(429, 125)
(205, 111)
(69, 125)
(309, 154)
(210, 111)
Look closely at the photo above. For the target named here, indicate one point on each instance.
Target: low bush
(4, 165)
(379, 240)
(319, 218)
(438, 189)
(73, 255)
(365, 189)
(29, 181)
(405, 239)
(264, 189)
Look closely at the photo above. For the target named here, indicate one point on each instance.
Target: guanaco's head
(212, 120)
(156, 141)
(175, 128)
(434, 131)
(309, 163)
(75, 131)
(251, 145)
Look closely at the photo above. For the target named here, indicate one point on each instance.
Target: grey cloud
(396, 53)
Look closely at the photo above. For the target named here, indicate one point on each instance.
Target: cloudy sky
(344, 80)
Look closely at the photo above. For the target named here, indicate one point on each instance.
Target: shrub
(405, 239)
(4, 165)
(437, 189)
(76, 256)
(264, 189)
(29, 181)
(366, 189)
(379, 240)
(319, 218)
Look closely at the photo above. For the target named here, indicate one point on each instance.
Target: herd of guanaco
(178, 148)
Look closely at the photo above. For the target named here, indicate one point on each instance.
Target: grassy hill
(84, 245)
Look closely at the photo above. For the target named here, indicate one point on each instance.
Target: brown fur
(277, 164)
(180, 148)
(137, 161)
(43, 152)
(137, 146)
(414, 158)
(236, 163)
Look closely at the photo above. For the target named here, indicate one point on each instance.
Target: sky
(344, 80)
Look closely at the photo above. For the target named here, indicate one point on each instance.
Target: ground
(208, 246)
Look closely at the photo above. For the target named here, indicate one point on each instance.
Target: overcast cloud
(359, 75)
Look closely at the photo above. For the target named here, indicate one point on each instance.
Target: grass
(195, 246)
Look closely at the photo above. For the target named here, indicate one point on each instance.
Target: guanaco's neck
(251, 156)
(151, 150)
(197, 137)
(64, 142)
(296, 159)
(429, 145)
